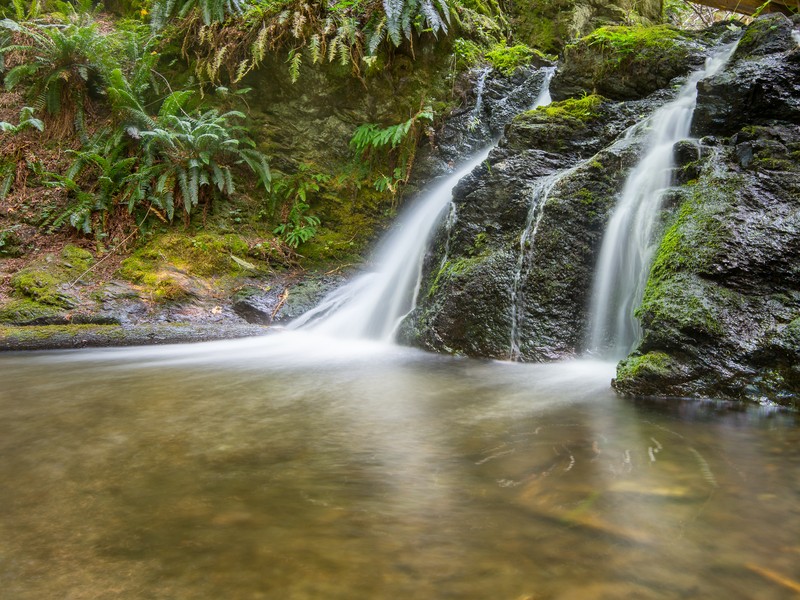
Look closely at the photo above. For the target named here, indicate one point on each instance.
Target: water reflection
(291, 467)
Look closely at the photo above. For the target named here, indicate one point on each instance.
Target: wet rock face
(486, 293)
(508, 275)
(723, 300)
(761, 83)
(493, 101)
(721, 312)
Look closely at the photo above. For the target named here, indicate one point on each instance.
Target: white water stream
(628, 246)
(539, 195)
(373, 305)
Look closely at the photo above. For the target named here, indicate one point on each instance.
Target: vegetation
(134, 126)
(508, 59)
(577, 109)
(61, 68)
(348, 32)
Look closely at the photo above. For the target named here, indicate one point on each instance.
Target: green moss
(40, 286)
(203, 255)
(508, 59)
(573, 109)
(657, 364)
(76, 258)
(700, 230)
(42, 333)
(27, 311)
(543, 24)
(758, 32)
(480, 242)
(792, 333)
(677, 298)
(627, 62)
(453, 269)
(621, 42)
(775, 164)
(165, 265)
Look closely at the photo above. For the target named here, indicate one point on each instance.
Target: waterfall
(373, 305)
(628, 246)
(475, 118)
(539, 194)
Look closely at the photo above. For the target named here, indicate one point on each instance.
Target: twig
(790, 584)
(281, 302)
(114, 249)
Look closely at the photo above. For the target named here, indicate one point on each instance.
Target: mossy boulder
(723, 298)
(769, 34)
(624, 63)
(549, 25)
(173, 267)
(30, 312)
(45, 290)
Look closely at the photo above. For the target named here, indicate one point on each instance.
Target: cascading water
(372, 305)
(479, 87)
(627, 249)
(539, 194)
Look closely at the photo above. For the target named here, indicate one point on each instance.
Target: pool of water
(291, 467)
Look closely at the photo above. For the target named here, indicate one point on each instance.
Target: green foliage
(159, 163)
(403, 15)
(467, 52)
(299, 227)
(508, 59)
(211, 11)
(21, 10)
(26, 121)
(191, 156)
(345, 32)
(580, 109)
(59, 66)
(293, 193)
(10, 244)
(396, 144)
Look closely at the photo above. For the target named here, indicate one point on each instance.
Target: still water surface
(290, 468)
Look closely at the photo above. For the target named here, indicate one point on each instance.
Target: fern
(211, 11)
(62, 65)
(294, 60)
(314, 48)
(397, 143)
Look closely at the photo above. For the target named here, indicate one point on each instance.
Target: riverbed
(297, 467)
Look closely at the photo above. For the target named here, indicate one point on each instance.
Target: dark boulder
(721, 310)
(761, 83)
(509, 273)
(722, 304)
